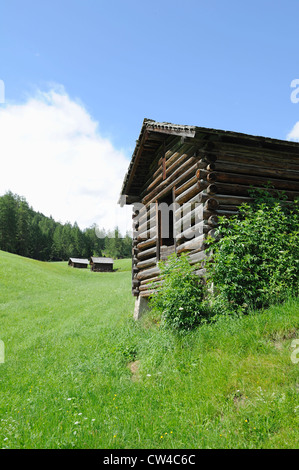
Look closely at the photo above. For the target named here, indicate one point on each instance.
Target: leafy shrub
(255, 262)
(180, 301)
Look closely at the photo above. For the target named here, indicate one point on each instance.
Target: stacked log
(202, 215)
(183, 166)
(240, 166)
(135, 281)
(180, 164)
(210, 180)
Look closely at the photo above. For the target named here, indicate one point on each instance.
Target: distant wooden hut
(101, 264)
(78, 263)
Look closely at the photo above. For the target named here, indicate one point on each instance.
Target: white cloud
(52, 153)
(294, 133)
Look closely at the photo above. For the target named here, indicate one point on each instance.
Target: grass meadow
(79, 372)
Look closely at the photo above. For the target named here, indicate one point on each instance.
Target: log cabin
(198, 174)
(78, 263)
(101, 264)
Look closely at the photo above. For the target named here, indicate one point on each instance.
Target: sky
(77, 78)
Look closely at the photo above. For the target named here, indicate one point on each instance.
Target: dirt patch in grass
(279, 339)
(284, 336)
(239, 401)
(134, 368)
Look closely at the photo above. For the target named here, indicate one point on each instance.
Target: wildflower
(148, 375)
(77, 422)
(93, 419)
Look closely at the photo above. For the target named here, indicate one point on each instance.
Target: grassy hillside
(80, 373)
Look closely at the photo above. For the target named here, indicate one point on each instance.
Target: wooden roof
(101, 260)
(154, 135)
(78, 260)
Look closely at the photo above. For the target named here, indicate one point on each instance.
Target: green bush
(180, 301)
(255, 261)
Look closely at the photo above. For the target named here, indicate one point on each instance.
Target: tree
(8, 222)
(29, 233)
(94, 244)
(23, 228)
(57, 247)
(113, 244)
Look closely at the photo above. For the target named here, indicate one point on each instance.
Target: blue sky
(226, 65)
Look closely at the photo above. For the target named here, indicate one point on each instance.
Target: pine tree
(8, 222)
(23, 228)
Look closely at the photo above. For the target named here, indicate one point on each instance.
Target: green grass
(69, 337)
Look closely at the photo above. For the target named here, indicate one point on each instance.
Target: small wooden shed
(101, 264)
(201, 173)
(78, 263)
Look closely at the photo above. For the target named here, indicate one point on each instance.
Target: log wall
(205, 182)
(101, 268)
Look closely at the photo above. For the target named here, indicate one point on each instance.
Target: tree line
(29, 233)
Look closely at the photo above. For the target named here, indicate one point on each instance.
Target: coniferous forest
(26, 232)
